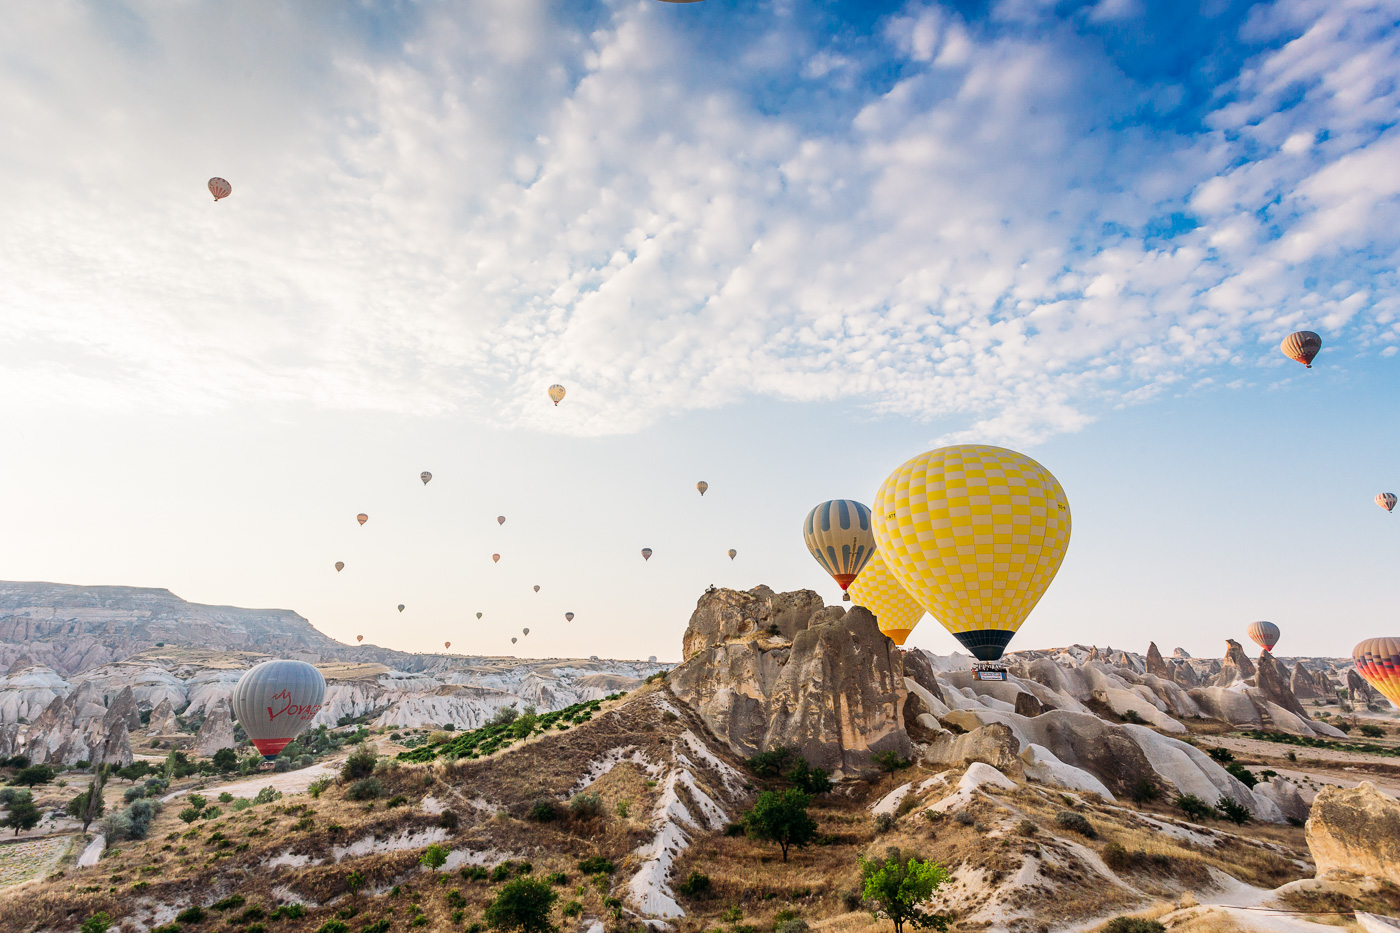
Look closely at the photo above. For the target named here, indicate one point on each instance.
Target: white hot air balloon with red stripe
(1264, 634)
(276, 701)
(219, 188)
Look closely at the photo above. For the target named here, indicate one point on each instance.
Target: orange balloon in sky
(495, 558)
(362, 518)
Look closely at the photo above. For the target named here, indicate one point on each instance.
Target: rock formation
(162, 719)
(1236, 667)
(1185, 675)
(1155, 665)
(1355, 831)
(9, 739)
(1359, 690)
(79, 727)
(765, 669)
(1181, 653)
(217, 731)
(1285, 796)
(1307, 687)
(1272, 681)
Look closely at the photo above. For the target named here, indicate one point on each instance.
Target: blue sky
(780, 246)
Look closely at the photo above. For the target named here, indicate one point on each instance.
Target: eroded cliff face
(767, 669)
(1355, 831)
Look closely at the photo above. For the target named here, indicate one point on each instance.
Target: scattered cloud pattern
(1011, 219)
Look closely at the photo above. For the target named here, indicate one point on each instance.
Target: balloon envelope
(339, 566)
(400, 607)
(478, 615)
(495, 558)
(512, 641)
(733, 553)
(878, 590)
(537, 587)
(1378, 660)
(447, 644)
(702, 486)
(500, 519)
(646, 553)
(1386, 500)
(220, 188)
(569, 616)
(556, 393)
(525, 631)
(1264, 634)
(425, 476)
(275, 701)
(840, 537)
(362, 518)
(975, 533)
(1302, 346)
(359, 638)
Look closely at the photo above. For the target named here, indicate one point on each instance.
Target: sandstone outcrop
(1305, 686)
(9, 739)
(1272, 681)
(1155, 664)
(1236, 667)
(217, 731)
(79, 727)
(1359, 690)
(162, 720)
(1180, 653)
(765, 670)
(1285, 796)
(1355, 831)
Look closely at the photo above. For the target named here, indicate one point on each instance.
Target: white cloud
(500, 199)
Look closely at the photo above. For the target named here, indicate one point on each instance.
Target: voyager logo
(290, 709)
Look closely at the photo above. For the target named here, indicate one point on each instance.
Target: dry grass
(1332, 906)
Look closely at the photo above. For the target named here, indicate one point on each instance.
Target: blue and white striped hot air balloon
(840, 536)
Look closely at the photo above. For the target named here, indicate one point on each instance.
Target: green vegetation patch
(1365, 748)
(505, 729)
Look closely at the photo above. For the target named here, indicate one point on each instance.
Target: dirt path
(288, 782)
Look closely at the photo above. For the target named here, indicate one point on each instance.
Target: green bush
(1245, 776)
(543, 810)
(884, 822)
(1194, 807)
(288, 912)
(572, 909)
(1132, 716)
(228, 903)
(889, 761)
(1027, 828)
(97, 923)
(1372, 731)
(359, 765)
(1133, 925)
(473, 873)
(808, 779)
(365, 789)
(1144, 790)
(266, 795)
(1075, 822)
(1222, 755)
(596, 865)
(333, 926)
(1232, 810)
(192, 914)
(318, 787)
(697, 885)
(770, 763)
(523, 905)
(34, 775)
(434, 857)
(556, 878)
(585, 806)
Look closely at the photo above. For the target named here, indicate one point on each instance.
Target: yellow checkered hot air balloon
(975, 533)
(879, 591)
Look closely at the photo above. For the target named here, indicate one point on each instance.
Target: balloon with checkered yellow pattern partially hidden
(895, 610)
(975, 533)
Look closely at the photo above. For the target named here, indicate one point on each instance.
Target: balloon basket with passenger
(989, 670)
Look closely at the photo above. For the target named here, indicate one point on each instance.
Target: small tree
(434, 857)
(226, 760)
(87, 807)
(97, 923)
(523, 904)
(359, 765)
(889, 761)
(897, 887)
(781, 818)
(37, 774)
(1193, 806)
(1232, 810)
(22, 815)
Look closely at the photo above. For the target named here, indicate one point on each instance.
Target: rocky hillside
(1049, 806)
(72, 629)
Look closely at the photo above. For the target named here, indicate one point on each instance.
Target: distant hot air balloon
(219, 188)
(495, 558)
(478, 615)
(1264, 634)
(702, 486)
(500, 519)
(425, 476)
(1302, 346)
(556, 394)
(878, 590)
(839, 536)
(339, 566)
(362, 518)
(525, 631)
(1386, 500)
(400, 607)
(975, 533)
(275, 701)
(447, 644)
(537, 587)
(733, 553)
(512, 641)
(568, 616)
(1378, 660)
(359, 638)
(646, 553)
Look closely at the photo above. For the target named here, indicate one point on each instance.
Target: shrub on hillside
(585, 806)
(596, 865)
(1133, 925)
(1232, 810)
(1223, 755)
(368, 788)
(522, 905)
(543, 810)
(1372, 731)
(1075, 822)
(697, 885)
(359, 765)
(1194, 807)
(889, 761)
